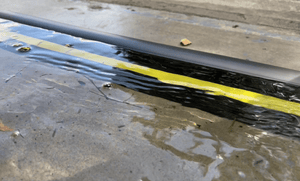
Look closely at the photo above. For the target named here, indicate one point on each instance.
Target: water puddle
(273, 121)
(222, 149)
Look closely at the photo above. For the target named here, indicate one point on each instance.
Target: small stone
(241, 174)
(15, 133)
(107, 85)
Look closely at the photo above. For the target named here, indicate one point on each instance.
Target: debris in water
(54, 133)
(258, 162)
(128, 98)
(230, 127)
(95, 7)
(185, 42)
(24, 49)
(107, 98)
(6, 80)
(15, 133)
(107, 84)
(97, 87)
(69, 45)
(241, 174)
(17, 45)
(4, 128)
(198, 125)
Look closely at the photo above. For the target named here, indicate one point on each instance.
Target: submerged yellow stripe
(175, 79)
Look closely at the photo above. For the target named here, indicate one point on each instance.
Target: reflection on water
(223, 149)
(273, 121)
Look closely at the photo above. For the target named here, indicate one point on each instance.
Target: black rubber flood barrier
(201, 58)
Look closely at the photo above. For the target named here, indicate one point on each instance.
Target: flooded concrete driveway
(58, 125)
(70, 131)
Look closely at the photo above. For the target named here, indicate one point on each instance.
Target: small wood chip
(185, 42)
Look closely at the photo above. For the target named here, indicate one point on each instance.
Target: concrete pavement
(71, 132)
(260, 43)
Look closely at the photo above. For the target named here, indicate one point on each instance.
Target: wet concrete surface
(273, 13)
(69, 131)
(258, 43)
(278, 122)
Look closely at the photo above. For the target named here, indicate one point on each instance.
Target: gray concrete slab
(279, 14)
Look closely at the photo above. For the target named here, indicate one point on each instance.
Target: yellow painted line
(169, 78)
